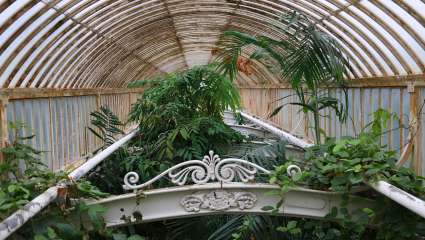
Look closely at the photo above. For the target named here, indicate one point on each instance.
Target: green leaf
(276, 111)
(51, 233)
(272, 193)
(267, 208)
(369, 212)
(355, 179)
(136, 237)
(184, 133)
(40, 237)
(119, 236)
(297, 176)
(291, 225)
(338, 180)
(94, 212)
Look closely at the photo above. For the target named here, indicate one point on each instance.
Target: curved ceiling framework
(108, 43)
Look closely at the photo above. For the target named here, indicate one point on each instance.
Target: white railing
(210, 168)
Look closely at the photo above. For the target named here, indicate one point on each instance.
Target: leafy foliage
(346, 164)
(308, 59)
(107, 124)
(107, 176)
(18, 153)
(201, 91)
(180, 118)
(25, 177)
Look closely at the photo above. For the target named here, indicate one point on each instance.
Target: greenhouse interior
(212, 119)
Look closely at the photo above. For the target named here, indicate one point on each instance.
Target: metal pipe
(276, 131)
(405, 199)
(21, 216)
(92, 162)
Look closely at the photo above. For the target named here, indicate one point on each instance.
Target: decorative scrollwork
(228, 169)
(210, 168)
(292, 170)
(199, 175)
(218, 200)
(131, 178)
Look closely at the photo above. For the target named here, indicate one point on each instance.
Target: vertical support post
(97, 142)
(413, 121)
(4, 100)
(98, 101)
(306, 125)
(129, 100)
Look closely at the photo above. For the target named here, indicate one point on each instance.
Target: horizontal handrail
(21, 216)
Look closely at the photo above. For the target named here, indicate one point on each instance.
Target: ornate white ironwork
(218, 200)
(210, 168)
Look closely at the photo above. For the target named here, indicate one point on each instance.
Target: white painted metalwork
(194, 200)
(216, 198)
(20, 217)
(405, 199)
(278, 132)
(210, 168)
(382, 38)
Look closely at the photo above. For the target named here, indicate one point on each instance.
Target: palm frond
(107, 125)
(309, 60)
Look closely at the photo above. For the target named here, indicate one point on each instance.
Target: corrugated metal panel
(60, 124)
(35, 114)
(422, 128)
(119, 104)
(363, 102)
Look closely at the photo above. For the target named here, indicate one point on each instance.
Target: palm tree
(309, 59)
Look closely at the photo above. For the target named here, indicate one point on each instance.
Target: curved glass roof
(105, 43)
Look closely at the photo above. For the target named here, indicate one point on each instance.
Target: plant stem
(316, 126)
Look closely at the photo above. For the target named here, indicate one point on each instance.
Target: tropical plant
(342, 165)
(201, 90)
(107, 176)
(307, 58)
(25, 177)
(180, 118)
(107, 126)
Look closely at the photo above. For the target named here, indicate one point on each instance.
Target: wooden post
(3, 123)
(98, 101)
(415, 128)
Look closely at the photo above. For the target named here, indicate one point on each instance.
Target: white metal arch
(216, 198)
(61, 43)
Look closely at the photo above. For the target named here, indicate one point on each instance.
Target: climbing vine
(345, 166)
(24, 177)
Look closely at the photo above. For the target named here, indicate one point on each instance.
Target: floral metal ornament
(210, 168)
(218, 200)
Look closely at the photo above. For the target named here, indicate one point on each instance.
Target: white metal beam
(405, 199)
(217, 198)
(21, 216)
(276, 131)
